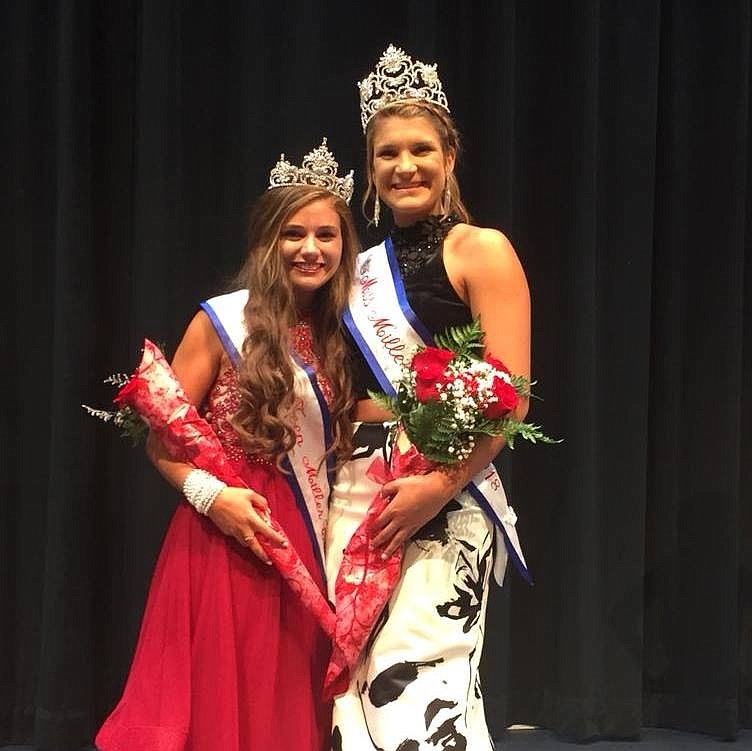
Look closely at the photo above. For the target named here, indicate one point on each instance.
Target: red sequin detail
(221, 404)
(224, 396)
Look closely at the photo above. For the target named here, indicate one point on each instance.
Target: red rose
(507, 400)
(429, 366)
(430, 363)
(498, 364)
(426, 391)
(125, 394)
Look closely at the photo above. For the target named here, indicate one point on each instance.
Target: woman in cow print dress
(416, 685)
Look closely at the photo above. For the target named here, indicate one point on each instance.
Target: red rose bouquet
(153, 397)
(446, 396)
(449, 394)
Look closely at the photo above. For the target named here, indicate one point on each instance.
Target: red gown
(227, 657)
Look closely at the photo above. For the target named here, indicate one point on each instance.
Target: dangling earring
(376, 211)
(446, 201)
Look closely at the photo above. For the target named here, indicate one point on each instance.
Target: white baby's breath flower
(102, 414)
(117, 379)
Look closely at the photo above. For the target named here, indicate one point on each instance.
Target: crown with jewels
(319, 168)
(398, 77)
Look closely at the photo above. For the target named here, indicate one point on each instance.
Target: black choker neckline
(419, 243)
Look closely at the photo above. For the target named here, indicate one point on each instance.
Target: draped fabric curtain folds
(609, 140)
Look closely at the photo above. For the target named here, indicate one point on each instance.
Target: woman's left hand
(415, 500)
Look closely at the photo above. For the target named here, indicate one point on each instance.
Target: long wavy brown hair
(264, 420)
(450, 143)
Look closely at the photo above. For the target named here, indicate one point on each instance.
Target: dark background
(610, 140)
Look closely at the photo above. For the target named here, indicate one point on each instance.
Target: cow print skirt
(417, 686)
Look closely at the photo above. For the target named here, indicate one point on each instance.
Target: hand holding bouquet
(445, 397)
(154, 395)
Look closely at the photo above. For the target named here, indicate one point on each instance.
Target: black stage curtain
(610, 140)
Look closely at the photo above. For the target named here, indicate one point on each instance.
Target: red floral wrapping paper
(365, 580)
(156, 394)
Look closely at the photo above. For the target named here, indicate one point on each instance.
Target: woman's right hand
(242, 513)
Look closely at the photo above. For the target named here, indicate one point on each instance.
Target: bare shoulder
(201, 336)
(198, 357)
(483, 250)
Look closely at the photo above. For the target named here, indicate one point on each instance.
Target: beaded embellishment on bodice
(221, 404)
(223, 399)
(417, 244)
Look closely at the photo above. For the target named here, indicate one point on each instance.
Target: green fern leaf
(132, 426)
(465, 339)
(385, 401)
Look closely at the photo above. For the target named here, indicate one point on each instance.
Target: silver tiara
(319, 168)
(396, 78)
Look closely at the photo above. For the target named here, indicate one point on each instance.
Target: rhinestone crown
(398, 77)
(319, 168)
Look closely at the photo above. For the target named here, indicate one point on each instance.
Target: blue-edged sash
(387, 331)
(309, 479)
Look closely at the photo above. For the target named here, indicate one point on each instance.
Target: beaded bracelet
(200, 488)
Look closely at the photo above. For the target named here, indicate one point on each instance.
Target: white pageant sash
(386, 329)
(309, 478)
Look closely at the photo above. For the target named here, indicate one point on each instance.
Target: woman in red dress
(228, 658)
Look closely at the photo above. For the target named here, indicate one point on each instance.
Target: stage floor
(533, 739)
(653, 739)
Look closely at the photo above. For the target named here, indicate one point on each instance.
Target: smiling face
(310, 242)
(410, 167)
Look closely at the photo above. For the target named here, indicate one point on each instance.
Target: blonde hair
(450, 143)
(264, 420)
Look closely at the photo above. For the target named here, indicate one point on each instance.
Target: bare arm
(485, 270)
(236, 511)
